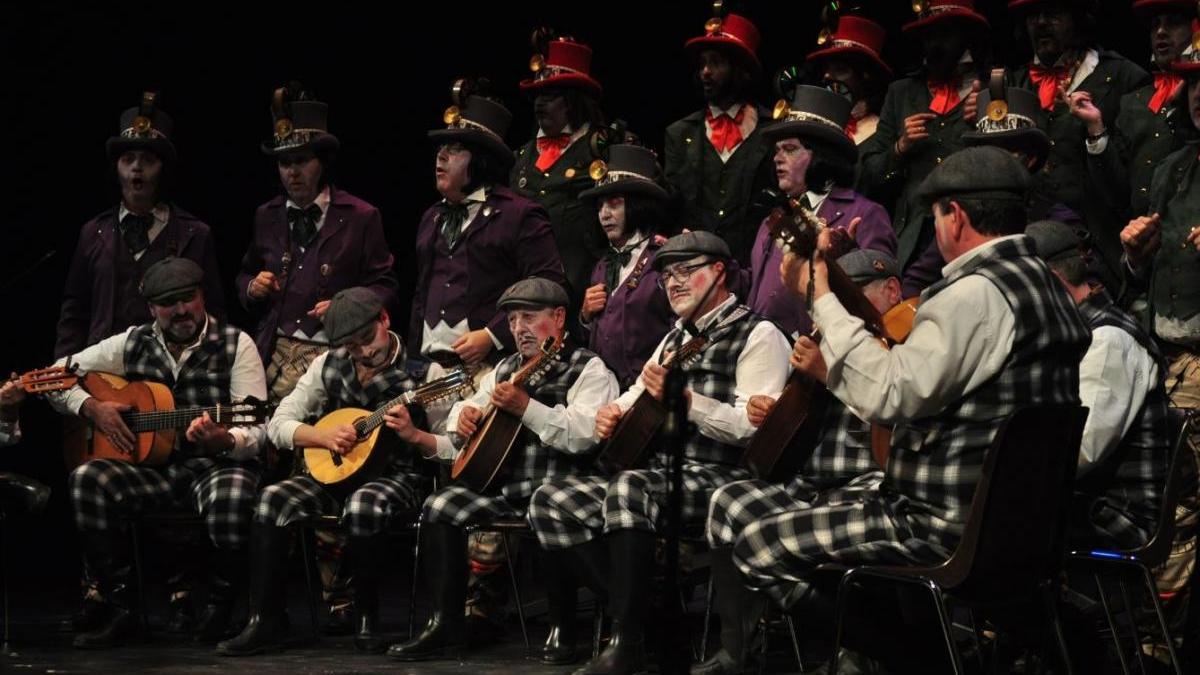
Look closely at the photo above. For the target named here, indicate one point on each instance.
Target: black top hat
(815, 113)
(1011, 118)
(631, 169)
(300, 123)
(480, 121)
(143, 127)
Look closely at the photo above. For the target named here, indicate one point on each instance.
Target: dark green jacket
(1175, 273)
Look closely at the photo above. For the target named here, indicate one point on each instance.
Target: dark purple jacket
(91, 301)
(350, 250)
(512, 242)
(768, 297)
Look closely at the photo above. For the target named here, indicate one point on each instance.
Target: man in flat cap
(214, 470)
(604, 527)
(365, 369)
(996, 334)
(557, 411)
(1124, 453)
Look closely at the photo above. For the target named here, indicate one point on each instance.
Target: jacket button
(297, 322)
(721, 213)
(447, 284)
(441, 312)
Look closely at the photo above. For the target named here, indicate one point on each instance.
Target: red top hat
(856, 36)
(732, 32)
(933, 11)
(1144, 9)
(567, 64)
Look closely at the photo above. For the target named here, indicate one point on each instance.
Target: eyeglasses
(680, 273)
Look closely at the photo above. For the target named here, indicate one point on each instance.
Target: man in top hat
(1124, 453)
(213, 470)
(997, 334)
(365, 369)
(849, 63)
(602, 529)
(309, 243)
(814, 163)
(625, 311)
(100, 297)
(557, 412)
(713, 157)
(552, 168)
(922, 121)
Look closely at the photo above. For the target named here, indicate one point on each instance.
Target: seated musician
(1125, 451)
(841, 458)
(365, 370)
(996, 334)
(213, 470)
(745, 355)
(624, 310)
(558, 412)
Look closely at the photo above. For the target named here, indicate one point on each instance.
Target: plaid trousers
(571, 511)
(458, 506)
(366, 512)
(220, 490)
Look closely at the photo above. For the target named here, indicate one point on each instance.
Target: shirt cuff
(495, 343)
(536, 416)
(703, 408)
(1098, 146)
(287, 432)
(242, 450)
(445, 449)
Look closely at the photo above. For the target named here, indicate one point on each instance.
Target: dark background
(385, 70)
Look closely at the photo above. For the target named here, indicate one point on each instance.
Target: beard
(178, 332)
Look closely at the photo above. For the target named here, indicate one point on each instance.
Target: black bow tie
(453, 217)
(304, 223)
(135, 231)
(614, 261)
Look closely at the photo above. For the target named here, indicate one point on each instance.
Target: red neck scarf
(945, 94)
(1166, 87)
(726, 130)
(550, 148)
(1048, 81)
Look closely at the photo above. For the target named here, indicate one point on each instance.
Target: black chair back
(1155, 552)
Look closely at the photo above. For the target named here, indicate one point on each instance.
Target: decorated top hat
(855, 38)
(480, 121)
(630, 169)
(814, 113)
(300, 123)
(732, 33)
(930, 12)
(143, 127)
(565, 64)
(1010, 118)
(1144, 9)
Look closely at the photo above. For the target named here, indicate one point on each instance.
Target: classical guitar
(46, 380)
(371, 452)
(482, 460)
(629, 445)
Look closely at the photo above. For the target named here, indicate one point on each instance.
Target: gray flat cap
(170, 276)
(689, 245)
(533, 292)
(867, 265)
(1054, 241)
(350, 310)
(981, 172)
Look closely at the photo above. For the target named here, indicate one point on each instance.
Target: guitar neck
(174, 419)
(853, 299)
(368, 424)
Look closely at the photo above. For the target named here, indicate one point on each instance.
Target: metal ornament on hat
(923, 8)
(714, 27)
(460, 90)
(142, 125)
(998, 117)
(783, 112)
(1196, 34)
(287, 135)
(830, 13)
(541, 39)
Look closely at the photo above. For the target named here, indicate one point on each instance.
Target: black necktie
(304, 223)
(453, 217)
(135, 230)
(614, 261)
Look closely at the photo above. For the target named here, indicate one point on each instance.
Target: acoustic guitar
(482, 460)
(370, 454)
(46, 380)
(629, 445)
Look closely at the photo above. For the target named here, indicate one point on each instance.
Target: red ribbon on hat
(726, 130)
(550, 148)
(1048, 80)
(1166, 86)
(945, 94)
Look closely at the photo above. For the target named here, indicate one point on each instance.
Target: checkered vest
(843, 451)
(936, 461)
(203, 379)
(530, 463)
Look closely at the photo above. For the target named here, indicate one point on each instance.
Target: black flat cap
(983, 172)
(350, 310)
(170, 276)
(533, 292)
(864, 265)
(1054, 241)
(689, 245)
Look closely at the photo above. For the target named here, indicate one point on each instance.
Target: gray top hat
(630, 169)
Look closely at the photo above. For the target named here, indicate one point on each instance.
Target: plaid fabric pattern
(459, 506)
(203, 379)
(289, 360)
(345, 391)
(220, 490)
(367, 511)
(842, 454)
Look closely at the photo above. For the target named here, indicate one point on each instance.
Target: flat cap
(1054, 241)
(981, 172)
(170, 276)
(689, 245)
(533, 292)
(350, 310)
(864, 265)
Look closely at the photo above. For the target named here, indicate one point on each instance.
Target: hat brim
(1186, 68)
(1144, 9)
(661, 259)
(322, 143)
(174, 291)
(478, 138)
(974, 19)
(630, 186)
(563, 81)
(1030, 139)
(742, 54)
(862, 55)
(117, 146)
(824, 133)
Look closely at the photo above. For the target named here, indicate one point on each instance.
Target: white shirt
(1115, 376)
(960, 338)
(749, 122)
(246, 378)
(762, 368)
(570, 428)
(161, 214)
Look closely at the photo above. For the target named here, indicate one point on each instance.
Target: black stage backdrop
(384, 68)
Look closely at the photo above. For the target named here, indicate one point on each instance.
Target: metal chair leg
(597, 628)
(1112, 622)
(975, 638)
(708, 600)
(135, 536)
(791, 626)
(416, 575)
(1133, 629)
(1052, 606)
(512, 575)
(944, 619)
(307, 554)
(1152, 587)
(5, 649)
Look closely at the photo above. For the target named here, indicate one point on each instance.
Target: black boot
(631, 566)
(364, 555)
(561, 599)
(268, 585)
(444, 550)
(589, 564)
(739, 609)
(109, 563)
(228, 569)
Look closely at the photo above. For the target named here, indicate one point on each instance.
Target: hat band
(731, 36)
(297, 138)
(1011, 122)
(802, 116)
(149, 133)
(842, 42)
(549, 71)
(935, 10)
(464, 123)
(614, 176)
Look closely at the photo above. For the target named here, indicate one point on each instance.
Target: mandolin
(482, 460)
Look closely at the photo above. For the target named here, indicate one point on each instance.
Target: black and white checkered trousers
(461, 507)
(220, 490)
(367, 510)
(567, 512)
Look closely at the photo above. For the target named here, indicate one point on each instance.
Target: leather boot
(268, 585)
(109, 563)
(444, 550)
(363, 554)
(631, 564)
(740, 610)
(589, 564)
(228, 570)
(561, 600)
